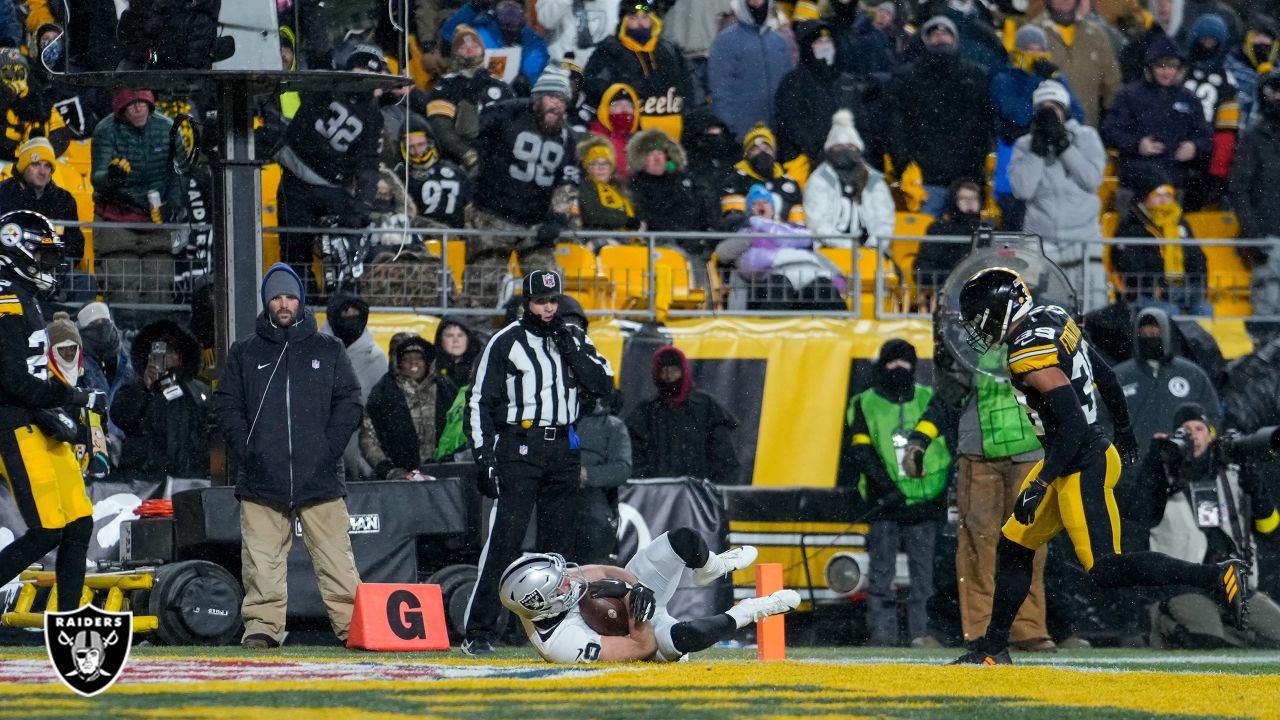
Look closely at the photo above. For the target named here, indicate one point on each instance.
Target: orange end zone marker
(771, 632)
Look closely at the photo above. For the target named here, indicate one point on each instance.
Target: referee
(523, 403)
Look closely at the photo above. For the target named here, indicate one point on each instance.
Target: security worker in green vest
(996, 447)
(881, 420)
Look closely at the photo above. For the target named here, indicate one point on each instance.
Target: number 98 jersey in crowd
(1048, 337)
(522, 163)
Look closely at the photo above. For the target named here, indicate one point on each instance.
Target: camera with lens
(1177, 449)
(1258, 446)
(159, 359)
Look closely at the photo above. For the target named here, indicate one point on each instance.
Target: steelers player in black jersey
(36, 458)
(1051, 364)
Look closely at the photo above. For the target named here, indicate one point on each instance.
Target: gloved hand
(1040, 144)
(1060, 143)
(1024, 507)
(608, 588)
(471, 162)
(548, 233)
(642, 602)
(95, 400)
(1044, 68)
(1127, 446)
(562, 336)
(354, 218)
(488, 483)
(119, 169)
(913, 455)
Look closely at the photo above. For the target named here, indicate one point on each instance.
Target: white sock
(741, 616)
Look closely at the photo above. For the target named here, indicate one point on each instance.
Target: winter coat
(831, 206)
(369, 363)
(694, 437)
(1089, 63)
(693, 26)
(943, 118)
(1251, 394)
(562, 25)
(95, 374)
(1255, 180)
(147, 150)
(669, 202)
(54, 203)
(1061, 192)
(1153, 396)
(533, 49)
(979, 43)
(398, 431)
(658, 72)
(452, 373)
(1171, 115)
(762, 250)
(164, 436)
(745, 66)
(310, 404)
(1142, 266)
(1011, 91)
(618, 137)
(605, 446)
(807, 98)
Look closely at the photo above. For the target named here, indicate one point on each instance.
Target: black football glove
(1024, 507)
(95, 400)
(488, 483)
(608, 588)
(642, 603)
(1127, 446)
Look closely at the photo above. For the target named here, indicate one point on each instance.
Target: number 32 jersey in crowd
(1050, 338)
(521, 165)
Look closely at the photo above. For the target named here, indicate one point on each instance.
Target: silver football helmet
(540, 586)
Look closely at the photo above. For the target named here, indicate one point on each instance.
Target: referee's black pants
(531, 471)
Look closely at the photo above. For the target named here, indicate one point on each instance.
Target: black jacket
(302, 389)
(693, 438)
(807, 98)
(942, 118)
(25, 385)
(1251, 394)
(162, 436)
(451, 374)
(1142, 266)
(54, 203)
(1255, 181)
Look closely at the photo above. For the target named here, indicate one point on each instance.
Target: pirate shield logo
(88, 647)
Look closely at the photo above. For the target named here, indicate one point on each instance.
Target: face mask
(897, 382)
(69, 370)
(844, 159)
(1261, 51)
(940, 52)
(1165, 215)
(622, 120)
(762, 165)
(51, 55)
(347, 329)
(845, 10)
(759, 14)
(640, 35)
(825, 53)
(1200, 52)
(1150, 348)
(102, 341)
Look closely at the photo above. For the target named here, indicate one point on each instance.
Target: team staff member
(1072, 488)
(520, 414)
(36, 458)
(288, 402)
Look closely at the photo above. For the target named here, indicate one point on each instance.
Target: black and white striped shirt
(523, 378)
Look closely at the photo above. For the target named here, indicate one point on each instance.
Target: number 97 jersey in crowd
(441, 192)
(1048, 337)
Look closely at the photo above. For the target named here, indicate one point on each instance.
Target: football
(607, 616)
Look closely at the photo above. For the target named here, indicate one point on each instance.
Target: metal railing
(634, 275)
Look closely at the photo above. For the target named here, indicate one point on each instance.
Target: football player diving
(546, 593)
(1071, 488)
(36, 459)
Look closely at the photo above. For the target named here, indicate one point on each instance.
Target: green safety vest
(886, 419)
(1006, 429)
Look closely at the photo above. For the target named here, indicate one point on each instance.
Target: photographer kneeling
(1203, 501)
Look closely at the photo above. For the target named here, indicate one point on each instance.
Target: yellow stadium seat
(457, 259)
(69, 178)
(627, 267)
(582, 277)
(1107, 191)
(1215, 225)
(904, 252)
(270, 214)
(79, 155)
(683, 294)
(865, 274)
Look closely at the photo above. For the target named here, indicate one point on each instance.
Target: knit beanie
(61, 329)
(1051, 91)
(843, 132)
(553, 81)
(1029, 35)
(1190, 411)
(37, 149)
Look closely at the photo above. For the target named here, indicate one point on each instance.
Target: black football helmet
(991, 302)
(31, 248)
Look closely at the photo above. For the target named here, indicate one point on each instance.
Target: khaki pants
(985, 492)
(133, 266)
(266, 533)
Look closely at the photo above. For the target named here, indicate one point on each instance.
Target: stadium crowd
(786, 127)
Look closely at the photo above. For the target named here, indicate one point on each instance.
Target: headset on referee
(520, 414)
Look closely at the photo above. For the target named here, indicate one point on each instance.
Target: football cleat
(1232, 578)
(756, 608)
(978, 657)
(478, 647)
(724, 563)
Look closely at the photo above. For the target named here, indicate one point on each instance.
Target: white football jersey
(569, 641)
